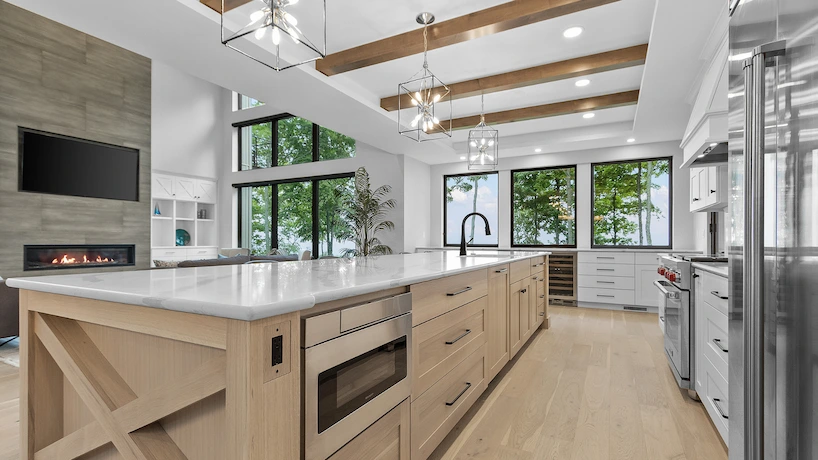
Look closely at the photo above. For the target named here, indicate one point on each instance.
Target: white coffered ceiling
(185, 34)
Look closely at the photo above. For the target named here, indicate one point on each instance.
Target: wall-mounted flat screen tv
(62, 165)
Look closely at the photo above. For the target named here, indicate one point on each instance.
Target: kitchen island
(206, 363)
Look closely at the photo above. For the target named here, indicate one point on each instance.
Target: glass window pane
(256, 146)
(335, 233)
(466, 194)
(632, 203)
(294, 141)
(333, 146)
(260, 226)
(544, 208)
(295, 217)
(246, 102)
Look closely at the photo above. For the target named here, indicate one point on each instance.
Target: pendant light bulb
(276, 36)
(437, 98)
(260, 33)
(473, 144)
(255, 17)
(290, 18)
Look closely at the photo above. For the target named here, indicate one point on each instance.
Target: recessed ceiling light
(702, 155)
(572, 32)
(631, 140)
(463, 157)
(589, 115)
(537, 150)
(583, 82)
(714, 144)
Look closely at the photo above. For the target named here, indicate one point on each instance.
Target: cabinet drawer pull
(605, 269)
(716, 294)
(716, 402)
(502, 270)
(603, 295)
(534, 278)
(523, 291)
(541, 279)
(452, 342)
(542, 296)
(542, 313)
(606, 257)
(606, 282)
(468, 385)
(695, 199)
(452, 294)
(662, 318)
(712, 191)
(718, 344)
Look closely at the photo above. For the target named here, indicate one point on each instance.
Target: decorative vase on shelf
(156, 210)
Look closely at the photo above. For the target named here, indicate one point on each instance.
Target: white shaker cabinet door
(645, 292)
(162, 186)
(205, 191)
(184, 189)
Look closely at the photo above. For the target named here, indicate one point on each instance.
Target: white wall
(683, 234)
(383, 168)
(416, 197)
(187, 123)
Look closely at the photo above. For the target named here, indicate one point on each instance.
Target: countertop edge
(710, 269)
(244, 313)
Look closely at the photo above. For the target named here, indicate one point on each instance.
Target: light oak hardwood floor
(596, 386)
(9, 412)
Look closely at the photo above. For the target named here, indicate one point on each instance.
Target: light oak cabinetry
(434, 298)
(386, 439)
(497, 312)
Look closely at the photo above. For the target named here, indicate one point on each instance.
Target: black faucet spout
(463, 230)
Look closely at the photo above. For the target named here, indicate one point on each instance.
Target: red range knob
(672, 277)
(662, 270)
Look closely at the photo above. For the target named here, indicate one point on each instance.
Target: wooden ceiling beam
(607, 101)
(572, 68)
(485, 22)
(216, 5)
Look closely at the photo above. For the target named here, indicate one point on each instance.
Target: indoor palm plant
(366, 210)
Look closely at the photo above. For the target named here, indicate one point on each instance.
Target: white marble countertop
(255, 291)
(717, 268)
(482, 249)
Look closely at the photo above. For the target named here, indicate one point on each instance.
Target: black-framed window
(632, 203)
(543, 207)
(466, 193)
(284, 140)
(247, 102)
(296, 215)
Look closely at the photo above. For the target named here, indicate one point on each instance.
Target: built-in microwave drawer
(441, 343)
(436, 412)
(604, 257)
(605, 282)
(431, 299)
(626, 270)
(715, 291)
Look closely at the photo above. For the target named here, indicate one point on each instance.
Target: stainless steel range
(675, 292)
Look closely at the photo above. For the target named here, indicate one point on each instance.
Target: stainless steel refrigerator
(773, 213)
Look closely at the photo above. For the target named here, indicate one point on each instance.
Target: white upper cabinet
(184, 189)
(708, 188)
(205, 191)
(162, 186)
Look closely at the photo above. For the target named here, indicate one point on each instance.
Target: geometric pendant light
(424, 102)
(277, 33)
(483, 145)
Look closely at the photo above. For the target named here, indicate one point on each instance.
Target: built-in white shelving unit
(183, 203)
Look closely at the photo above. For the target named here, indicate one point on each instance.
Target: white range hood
(708, 120)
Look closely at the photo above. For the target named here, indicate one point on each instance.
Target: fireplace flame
(85, 260)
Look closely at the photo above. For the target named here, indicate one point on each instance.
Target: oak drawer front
(715, 399)
(499, 270)
(537, 265)
(606, 269)
(715, 291)
(646, 258)
(606, 282)
(436, 412)
(386, 439)
(519, 270)
(439, 344)
(616, 296)
(434, 298)
(716, 345)
(606, 258)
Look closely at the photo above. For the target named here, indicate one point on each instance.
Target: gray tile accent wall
(57, 79)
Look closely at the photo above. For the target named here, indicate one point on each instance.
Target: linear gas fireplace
(52, 257)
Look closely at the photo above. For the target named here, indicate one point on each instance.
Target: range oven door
(676, 304)
(352, 381)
